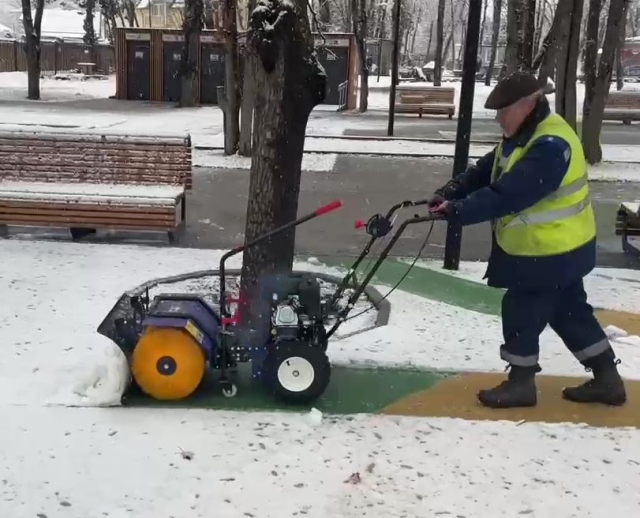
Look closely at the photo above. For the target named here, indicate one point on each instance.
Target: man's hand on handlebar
(440, 209)
(434, 201)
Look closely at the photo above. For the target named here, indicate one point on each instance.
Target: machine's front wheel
(297, 373)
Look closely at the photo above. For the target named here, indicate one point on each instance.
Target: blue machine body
(190, 313)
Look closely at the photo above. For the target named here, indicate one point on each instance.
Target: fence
(56, 56)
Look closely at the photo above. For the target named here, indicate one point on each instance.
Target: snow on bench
(103, 194)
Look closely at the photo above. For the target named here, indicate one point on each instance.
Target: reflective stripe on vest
(562, 221)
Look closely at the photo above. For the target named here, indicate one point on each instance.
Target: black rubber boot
(518, 390)
(606, 387)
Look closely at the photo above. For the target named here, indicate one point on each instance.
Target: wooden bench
(622, 106)
(89, 182)
(628, 225)
(434, 100)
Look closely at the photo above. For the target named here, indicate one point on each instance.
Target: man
(533, 188)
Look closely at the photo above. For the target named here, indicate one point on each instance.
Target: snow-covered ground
(57, 461)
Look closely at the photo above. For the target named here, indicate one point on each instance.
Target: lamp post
(394, 67)
(453, 240)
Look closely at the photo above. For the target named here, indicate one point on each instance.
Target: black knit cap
(513, 88)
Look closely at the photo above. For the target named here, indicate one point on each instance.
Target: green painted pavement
(351, 391)
(434, 285)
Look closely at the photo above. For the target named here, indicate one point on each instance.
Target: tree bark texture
(291, 83)
(32, 31)
(595, 99)
(437, 72)
(525, 16)
(511, 51)
(495, 34)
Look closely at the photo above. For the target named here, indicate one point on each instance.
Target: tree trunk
(359, 16)
(229, 102)
(563, 43)
(525, 17)
(248, 96)
(437, 72)
(634, 18)
(325, 14)
(247, 104)
(590, 53)
(619, 49)
(537, 38)
(415, 30)
(571, 68)
(495, 33)
(596, 99)
(452, 34)
(485, 5)
(545, 59)
(192, 27)
(511, 50)
(291, 85)
(89, 37)
(32, 31)
(430, 39)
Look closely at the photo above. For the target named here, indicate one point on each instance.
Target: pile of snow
(5, 32)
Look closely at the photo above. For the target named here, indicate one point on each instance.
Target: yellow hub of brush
(167, 363)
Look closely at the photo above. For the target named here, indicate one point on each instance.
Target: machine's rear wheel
(297, 373)
(167, 363)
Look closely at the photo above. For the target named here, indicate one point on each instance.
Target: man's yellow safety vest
(559, 223)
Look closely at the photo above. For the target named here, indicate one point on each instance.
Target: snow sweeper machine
(172, 341)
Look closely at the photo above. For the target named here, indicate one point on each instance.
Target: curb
(409, 154)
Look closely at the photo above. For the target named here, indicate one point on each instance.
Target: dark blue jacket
(475, 199)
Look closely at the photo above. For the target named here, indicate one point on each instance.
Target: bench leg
(183, 210)
(4, 231)
(79, 233)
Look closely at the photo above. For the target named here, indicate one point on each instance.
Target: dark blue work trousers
(526, 313)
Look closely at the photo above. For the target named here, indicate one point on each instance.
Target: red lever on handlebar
(328, 207)
(359, 224)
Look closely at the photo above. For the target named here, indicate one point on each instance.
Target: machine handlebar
(336, 204)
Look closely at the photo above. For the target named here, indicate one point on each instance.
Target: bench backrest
(95, 158)
(427, 94)
(623, 100)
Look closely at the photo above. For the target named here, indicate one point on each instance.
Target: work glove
(435, 200)
(441, 208)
